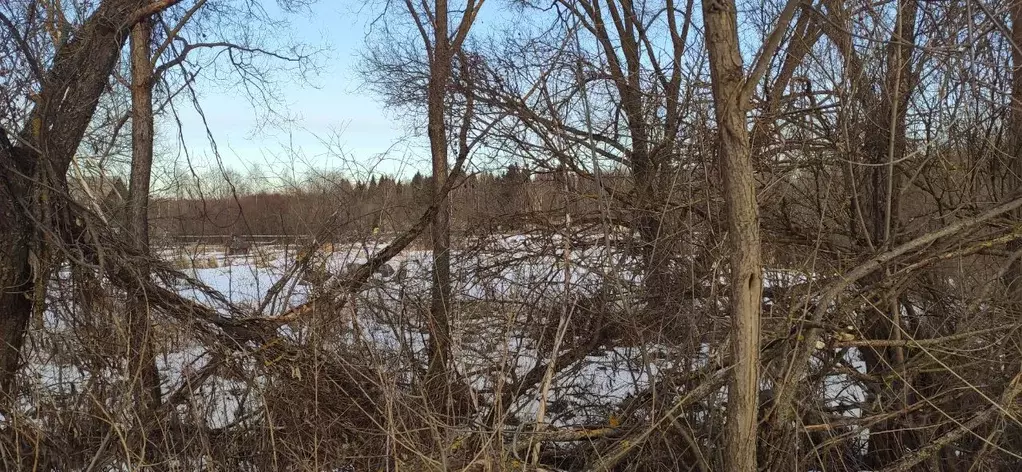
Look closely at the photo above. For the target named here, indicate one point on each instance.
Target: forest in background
(507, 201)
(822, 267)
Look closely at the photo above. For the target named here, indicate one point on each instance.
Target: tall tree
(743, 230)
(885, 145)
(34, 163)
(617, 59)
(444, 52)
(731, 92)
(142, 371)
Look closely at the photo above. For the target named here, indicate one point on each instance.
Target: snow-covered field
(494, 288)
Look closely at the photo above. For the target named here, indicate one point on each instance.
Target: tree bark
(728, 80)
(15, 276)
(34, 170)
(440, 230)
(143, 374)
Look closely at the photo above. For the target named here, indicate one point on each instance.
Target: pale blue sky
(334, 108)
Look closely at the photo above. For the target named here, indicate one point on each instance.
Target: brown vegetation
(634, 251)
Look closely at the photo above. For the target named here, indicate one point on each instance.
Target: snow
(489, 352)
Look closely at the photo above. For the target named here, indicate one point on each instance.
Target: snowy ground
(487, 353)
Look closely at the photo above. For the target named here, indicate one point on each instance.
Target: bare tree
(35, 162)
(443, 30)
(731, 92)
(146, 390)
(653, 232)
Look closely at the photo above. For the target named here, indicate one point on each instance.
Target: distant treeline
(336, 207)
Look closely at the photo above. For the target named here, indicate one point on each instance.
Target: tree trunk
(727, 75)
(15, 279)
(48, 140)
(439, 333)
(145, 378)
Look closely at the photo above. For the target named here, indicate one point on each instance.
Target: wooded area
(783, 235)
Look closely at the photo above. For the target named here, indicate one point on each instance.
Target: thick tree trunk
(49, 138)
(142, 130)
(728, 78)
(145, 378)
(439, 334)
(646, 156)
(15, 282)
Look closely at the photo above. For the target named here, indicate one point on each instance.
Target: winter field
(515, 300)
